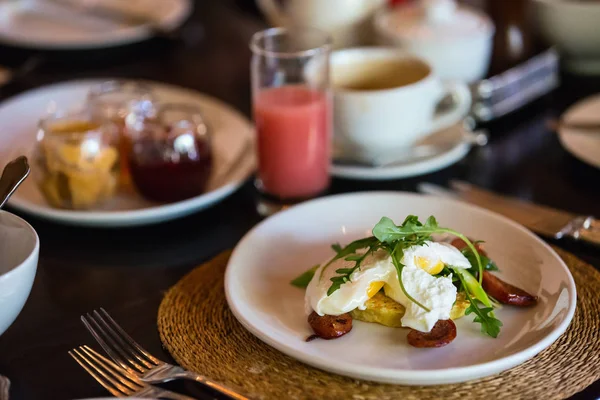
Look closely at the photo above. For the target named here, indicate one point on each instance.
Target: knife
(544, 220)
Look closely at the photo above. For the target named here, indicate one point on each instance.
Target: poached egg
(377, 271)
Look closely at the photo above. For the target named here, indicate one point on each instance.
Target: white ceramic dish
(231, 133)
(583, 145)
(572, 26)
(45, 25)
(285, 245)
(456, 40)
(373, 121)
(19, 250)
(414, 166)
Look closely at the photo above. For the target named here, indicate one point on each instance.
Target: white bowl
(574, 28)
(19, 250)
(462, 57)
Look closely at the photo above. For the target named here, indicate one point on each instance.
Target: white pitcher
(348, 21)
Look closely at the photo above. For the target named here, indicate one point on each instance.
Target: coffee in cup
(386, 99)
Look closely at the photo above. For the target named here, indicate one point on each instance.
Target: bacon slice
(506, 293)
(442, 333)
(330, 326)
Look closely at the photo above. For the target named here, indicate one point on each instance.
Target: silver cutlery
(476, 138)
(137, 361)
(544, 220)
(116, 380)
(13, 175)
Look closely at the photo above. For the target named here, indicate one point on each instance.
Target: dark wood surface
(127, 271)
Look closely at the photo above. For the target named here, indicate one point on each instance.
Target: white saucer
(43, 24)
(233, 142)
(257, 285)
(414, 166)
(583, 145)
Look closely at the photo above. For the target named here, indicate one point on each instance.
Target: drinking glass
(293, 115)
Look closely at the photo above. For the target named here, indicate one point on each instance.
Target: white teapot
(348, 21)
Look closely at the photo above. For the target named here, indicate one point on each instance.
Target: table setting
(261, 199)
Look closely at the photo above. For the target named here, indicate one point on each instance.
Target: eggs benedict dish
(401, 277)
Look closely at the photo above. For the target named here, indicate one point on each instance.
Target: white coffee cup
(386, 99)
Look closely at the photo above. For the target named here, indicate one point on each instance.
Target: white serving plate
(233, 142)
(42, 24)
(283, 246)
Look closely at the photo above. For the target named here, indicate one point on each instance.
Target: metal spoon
(14, 173)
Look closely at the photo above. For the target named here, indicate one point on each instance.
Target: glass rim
(111, 86)
(326, 46)
(102, 128)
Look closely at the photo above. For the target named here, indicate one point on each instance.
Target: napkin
(4, 386)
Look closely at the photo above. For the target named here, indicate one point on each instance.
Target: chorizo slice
(330, 326)
(506, 293)
(460, 244)
(442, 333)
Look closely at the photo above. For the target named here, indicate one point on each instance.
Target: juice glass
(293, 114)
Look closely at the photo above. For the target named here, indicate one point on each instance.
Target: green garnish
(471, 285)
(413, 232)
(490, 325)
(303, 280)
(488, 264)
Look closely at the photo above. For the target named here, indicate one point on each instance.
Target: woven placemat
(202, 335)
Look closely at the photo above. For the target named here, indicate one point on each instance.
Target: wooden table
(127, 271)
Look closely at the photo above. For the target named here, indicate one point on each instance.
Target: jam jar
(78, 160)
(169, 152)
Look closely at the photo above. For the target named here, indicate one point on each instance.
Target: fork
(138, 362)
(117, 381)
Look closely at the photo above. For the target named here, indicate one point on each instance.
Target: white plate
(42, 24)
(18, 127)
(584, 146)
(414, 166)
(285, 245)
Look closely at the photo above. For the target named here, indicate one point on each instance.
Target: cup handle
(272, 12)
(461, 104)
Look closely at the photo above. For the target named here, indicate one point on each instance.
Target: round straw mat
(202, 335)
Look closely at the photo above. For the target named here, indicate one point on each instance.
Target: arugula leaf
(352, 248)
(490, 325)
(413, 232)
(303, 280)
(487, 263)
(338, 281)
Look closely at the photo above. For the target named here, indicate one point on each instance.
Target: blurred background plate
(583, 145)
(58, 25)
(233, 139)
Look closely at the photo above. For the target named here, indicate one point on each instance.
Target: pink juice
(294, 138)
